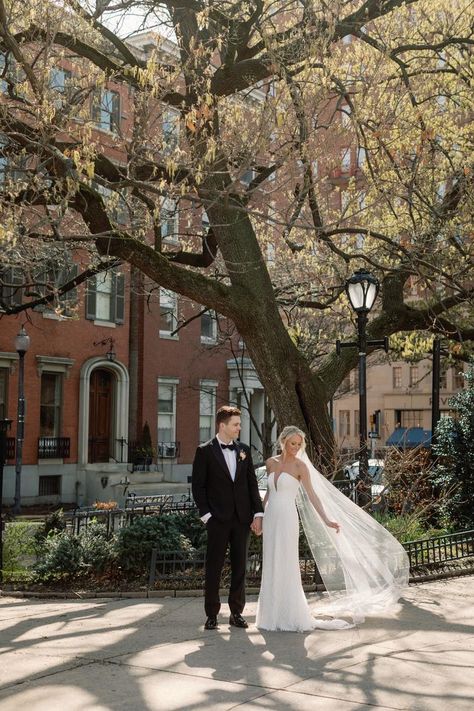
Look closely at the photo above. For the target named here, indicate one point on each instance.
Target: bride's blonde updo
(289, 431)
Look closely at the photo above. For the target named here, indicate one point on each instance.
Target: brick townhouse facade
(116, 357)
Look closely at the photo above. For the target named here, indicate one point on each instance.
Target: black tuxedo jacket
(213, 489)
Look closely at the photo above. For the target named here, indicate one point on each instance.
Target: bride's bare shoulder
(301, 468)
(271, 461)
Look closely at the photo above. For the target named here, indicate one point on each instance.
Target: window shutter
(96, 106)
(69, 299)
(118, 298)
(11, 280)
(91, 298)
(115, 115)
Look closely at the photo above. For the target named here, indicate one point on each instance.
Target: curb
(150, 594)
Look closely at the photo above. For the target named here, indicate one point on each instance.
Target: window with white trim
(411, 418)
(344, 423)
(346, 160)
(169, 221)
(106, 110)
(361, 157)
(414, 376)
(50, 404)
(11, 287)
(60, 81)
(49, 280)
(270, 253)
(167, 389)
(345, 112)
(208, 327)
(396, 377)
(170, 126)
(105, 297)
(458, 378)
(168, 313)
(207, 409)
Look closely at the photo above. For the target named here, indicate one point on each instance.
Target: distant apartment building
(398, 395)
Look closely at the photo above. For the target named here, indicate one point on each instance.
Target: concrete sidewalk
(108, 654)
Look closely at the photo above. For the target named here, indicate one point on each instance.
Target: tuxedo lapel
(217, 451)
(240, 460)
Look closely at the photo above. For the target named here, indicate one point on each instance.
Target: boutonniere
(242, 455)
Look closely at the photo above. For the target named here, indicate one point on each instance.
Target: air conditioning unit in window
(168, 450)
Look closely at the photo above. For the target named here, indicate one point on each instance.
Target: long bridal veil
(364, 568)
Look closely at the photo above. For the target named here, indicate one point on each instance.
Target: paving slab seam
(270, 689)
(243, 703)
(39, 676)
(339, 698)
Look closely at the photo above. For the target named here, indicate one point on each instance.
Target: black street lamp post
(22, 343)
(362, 289)
(4, 425)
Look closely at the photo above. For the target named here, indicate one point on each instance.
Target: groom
(225, 490)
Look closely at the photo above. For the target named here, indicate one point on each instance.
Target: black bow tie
(229, 446)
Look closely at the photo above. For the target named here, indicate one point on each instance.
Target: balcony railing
(10, 454)
(54, 447)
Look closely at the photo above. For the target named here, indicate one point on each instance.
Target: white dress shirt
(230, 456)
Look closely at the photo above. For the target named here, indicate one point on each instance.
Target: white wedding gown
(282, 604)
(365, 570)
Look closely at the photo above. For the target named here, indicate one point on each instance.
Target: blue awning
(406, 437)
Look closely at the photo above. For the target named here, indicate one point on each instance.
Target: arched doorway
(101, 424)
(118, 413)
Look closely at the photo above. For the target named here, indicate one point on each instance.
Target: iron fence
(429, 552)
(159, 503)
(176, 569)
(183, 569)
(114, 519)
(79, 519)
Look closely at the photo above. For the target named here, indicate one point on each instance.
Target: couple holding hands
(365, 570)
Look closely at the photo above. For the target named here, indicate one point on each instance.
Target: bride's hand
(333, 524)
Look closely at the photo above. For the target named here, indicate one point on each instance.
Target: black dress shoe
(237, 621)
(211, 623)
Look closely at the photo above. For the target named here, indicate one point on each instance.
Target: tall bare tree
(317, 137)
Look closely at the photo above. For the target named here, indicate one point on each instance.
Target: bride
(364, 569)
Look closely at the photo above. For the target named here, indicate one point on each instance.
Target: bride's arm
(267, 493)
(314, 498)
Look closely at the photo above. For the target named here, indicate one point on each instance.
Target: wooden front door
(100, 415)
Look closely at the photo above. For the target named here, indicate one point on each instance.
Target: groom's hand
(256, 525)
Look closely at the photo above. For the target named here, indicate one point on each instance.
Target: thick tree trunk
(296, 395)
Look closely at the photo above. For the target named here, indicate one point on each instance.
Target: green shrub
(98, 550)
(190, 525)
(19, 544)
(407, 528)
(135, 542)
(454, 445)
(54, 522)
(60, 555)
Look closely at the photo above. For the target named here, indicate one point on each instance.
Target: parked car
(262, 478)
(376, 469)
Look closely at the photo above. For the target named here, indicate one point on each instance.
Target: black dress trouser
(220, 534)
